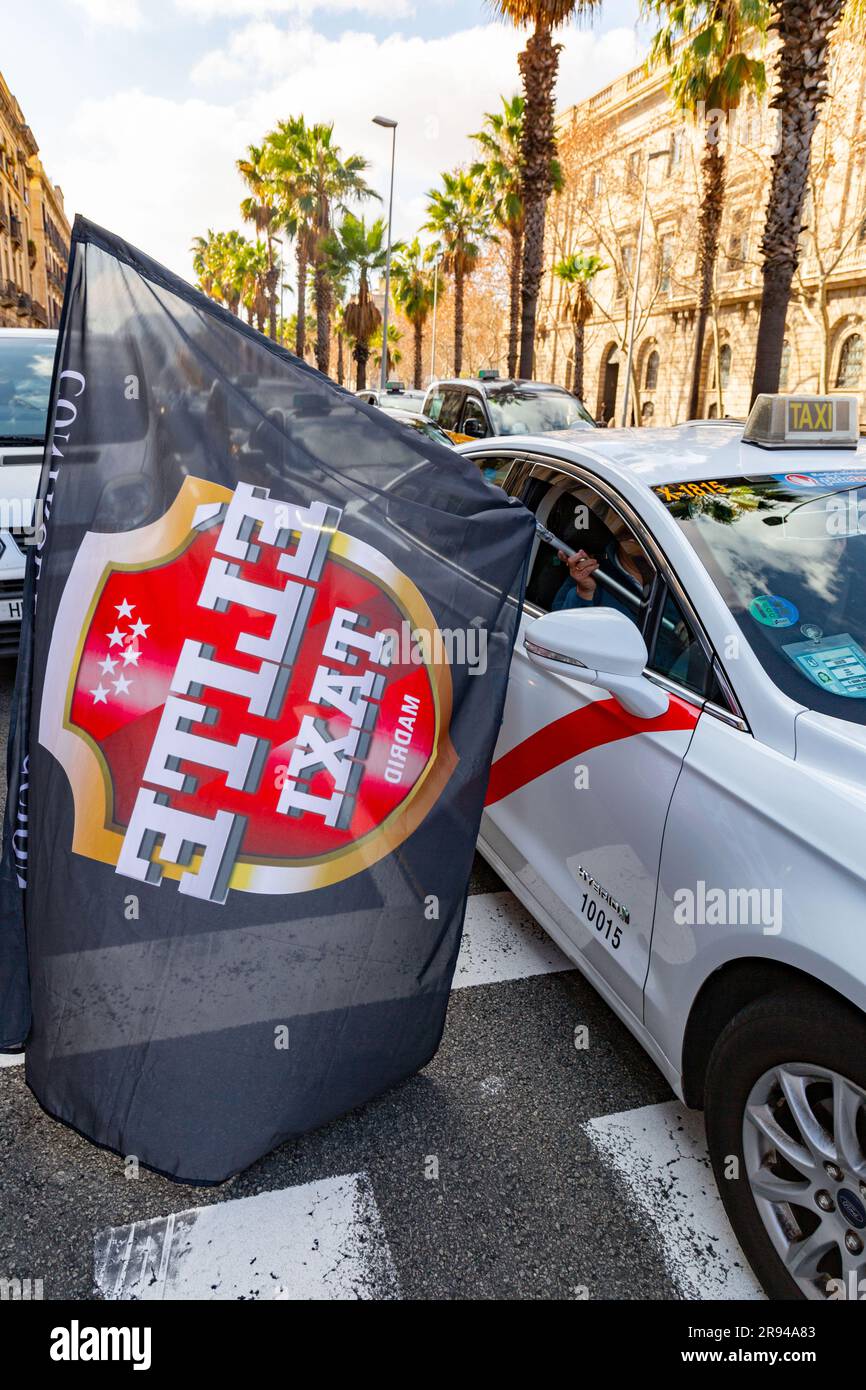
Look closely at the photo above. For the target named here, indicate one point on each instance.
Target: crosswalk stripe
(660, 1153)
(319, 1240)
(502, 942)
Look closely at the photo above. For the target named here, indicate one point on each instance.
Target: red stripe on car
(604, 721)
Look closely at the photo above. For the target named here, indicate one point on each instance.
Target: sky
(141, 107)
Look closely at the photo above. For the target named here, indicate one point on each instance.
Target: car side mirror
(475, 429)
(601, 647)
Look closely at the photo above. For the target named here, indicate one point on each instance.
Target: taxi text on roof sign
(803, 422)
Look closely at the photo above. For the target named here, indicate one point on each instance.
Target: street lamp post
(656, 154)
(392, 126)
(436, 260)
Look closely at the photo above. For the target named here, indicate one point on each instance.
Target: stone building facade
(605, 148)
(34, 231)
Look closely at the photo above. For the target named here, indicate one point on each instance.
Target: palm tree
(709, 73)
(261, 208)
(804, 28)
(285, 163)
(460, 217)
(499, 174)
(358, 250)
(218, 260)
(254, 268)
(578, 272)
(395, 356)
(325, 182)
(414, 274)
(538, 64)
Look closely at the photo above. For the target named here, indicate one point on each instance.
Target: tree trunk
(323, 315)
(341, 370)
(361, 354)
(577, 365)
(419, 341)
(712, 201)
(538, 66)
(514, 305)
(459, 285)
(301, 326)
(273, 277)
(804, 27)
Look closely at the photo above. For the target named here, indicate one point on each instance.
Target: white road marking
(502, 942)
(11, 1059)
(320, 1240)
(661, 1154)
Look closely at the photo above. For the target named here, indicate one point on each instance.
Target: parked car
(476, 409)
(420, 423)
(26, 365)
(395, 396)
(678, 794)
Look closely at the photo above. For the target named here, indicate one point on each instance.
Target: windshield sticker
(836, 664)
(679, 492)
(774, 611)
(820, 480)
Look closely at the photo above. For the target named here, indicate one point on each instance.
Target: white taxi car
(678, 793)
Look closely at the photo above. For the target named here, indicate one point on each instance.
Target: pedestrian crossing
(329, 1238)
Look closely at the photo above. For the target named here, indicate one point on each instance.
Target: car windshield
(25, 380)
(788, 554)
(520, 410)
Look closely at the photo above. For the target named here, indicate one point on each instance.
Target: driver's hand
(581, 568)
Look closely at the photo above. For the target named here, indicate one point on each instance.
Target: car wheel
(785, 1103)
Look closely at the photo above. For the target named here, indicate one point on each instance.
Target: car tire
(816, 1034)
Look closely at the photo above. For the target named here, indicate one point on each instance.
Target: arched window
(850, 361)
(785, 366)
(651, 379)
(647, 411)
(725, 356)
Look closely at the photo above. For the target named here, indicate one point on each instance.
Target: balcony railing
(22, 308)
(8, 294)
(15, 229)
(39, 313)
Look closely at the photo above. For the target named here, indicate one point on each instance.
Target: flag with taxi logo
(260, 684)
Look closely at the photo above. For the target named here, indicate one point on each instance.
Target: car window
(580, 520)
(474, 410)
(444, 407)
(516, 409)
(678, 653)
(26, 365)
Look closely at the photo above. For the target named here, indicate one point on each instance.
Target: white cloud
(213, 9)
(120, 14)
(159, 171)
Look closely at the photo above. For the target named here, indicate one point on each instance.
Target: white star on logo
(139, 629)
(124, 610)
(115, 637)
(108, 664)
(122, 685)
(130, 656)
(100, 695)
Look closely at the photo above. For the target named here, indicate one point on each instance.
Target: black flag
(259, 689)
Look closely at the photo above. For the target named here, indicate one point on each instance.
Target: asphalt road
(514, 1166)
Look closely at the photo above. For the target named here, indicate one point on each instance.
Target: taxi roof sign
(804, 422)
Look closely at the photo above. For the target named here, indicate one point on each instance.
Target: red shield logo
(229, 703)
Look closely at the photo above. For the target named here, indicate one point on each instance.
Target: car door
(579, 789)
(443, 406)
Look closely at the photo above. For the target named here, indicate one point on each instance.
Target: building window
(676, 154)
(850, 362)
(647, 411)
(634, 164)
(596, 185)
(785, 366)
(623, 277)
(725, 356)
(713, 412)
(651, 378)
(738, 243)
(666, 260)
